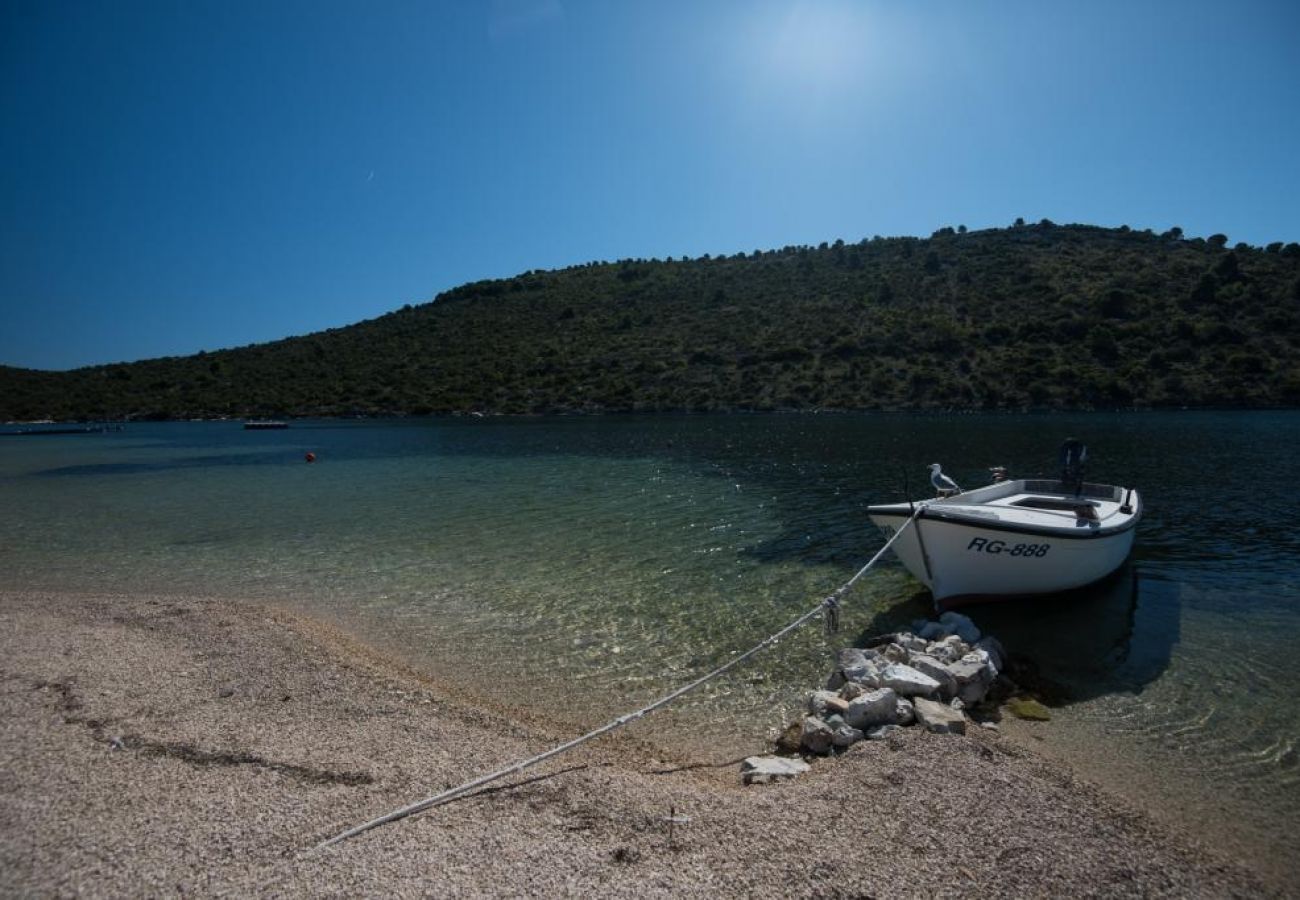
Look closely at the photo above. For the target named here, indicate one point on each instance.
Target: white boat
(1015, 537)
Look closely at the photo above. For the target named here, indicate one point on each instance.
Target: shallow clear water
(585, 566)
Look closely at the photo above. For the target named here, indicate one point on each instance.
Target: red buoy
(310, 457)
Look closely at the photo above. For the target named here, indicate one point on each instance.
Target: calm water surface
(585, 566)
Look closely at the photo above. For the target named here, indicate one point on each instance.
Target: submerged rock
(1028, 708)
(961, 626)
(930, 631)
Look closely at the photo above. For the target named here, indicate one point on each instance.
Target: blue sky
(178, 176)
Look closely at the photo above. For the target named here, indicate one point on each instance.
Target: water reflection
(1115, 636)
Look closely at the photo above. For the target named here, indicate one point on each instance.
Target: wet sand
(173, 745)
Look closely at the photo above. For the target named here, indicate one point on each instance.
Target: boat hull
(964, 562)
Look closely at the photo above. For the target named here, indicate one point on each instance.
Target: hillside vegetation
(1033, 316)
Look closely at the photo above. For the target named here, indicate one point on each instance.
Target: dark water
(589, 565)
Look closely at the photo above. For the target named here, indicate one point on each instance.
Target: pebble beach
(160, 745)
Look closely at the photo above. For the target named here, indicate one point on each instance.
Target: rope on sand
(830, 604)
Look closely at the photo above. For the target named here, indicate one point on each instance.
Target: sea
(580, 567)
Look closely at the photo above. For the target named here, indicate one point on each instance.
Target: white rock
(975, 674)
(928, 665)
(939, 717)
(910, 642)
(908, 681)
(961, 626)
(950, 649)
(764, 769)
(876, 707)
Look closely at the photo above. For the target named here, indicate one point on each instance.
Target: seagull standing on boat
(942, 483)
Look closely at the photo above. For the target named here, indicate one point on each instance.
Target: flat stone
(765, 769)
(939, 717)
(975, 665)
(908, 681)
(928, 665)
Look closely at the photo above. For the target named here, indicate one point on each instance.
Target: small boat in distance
(264, 424)
(1014, 537)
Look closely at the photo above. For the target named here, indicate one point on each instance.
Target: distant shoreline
(616, 414)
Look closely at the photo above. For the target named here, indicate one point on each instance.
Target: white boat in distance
(1014, 537)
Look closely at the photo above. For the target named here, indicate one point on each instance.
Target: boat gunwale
(924, 509)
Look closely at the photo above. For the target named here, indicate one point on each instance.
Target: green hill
(1033, 316)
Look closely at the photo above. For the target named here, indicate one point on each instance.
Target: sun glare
(817, 44)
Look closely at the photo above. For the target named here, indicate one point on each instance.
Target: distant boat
(264, 424)
(1015, 537)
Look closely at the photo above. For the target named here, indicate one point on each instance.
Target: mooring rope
(830, 604)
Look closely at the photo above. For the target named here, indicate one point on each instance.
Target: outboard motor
(1074, 454)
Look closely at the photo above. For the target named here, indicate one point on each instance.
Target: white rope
(830, 603)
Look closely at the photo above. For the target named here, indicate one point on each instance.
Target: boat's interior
(1041, 501)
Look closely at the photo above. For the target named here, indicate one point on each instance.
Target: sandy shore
(167, 745)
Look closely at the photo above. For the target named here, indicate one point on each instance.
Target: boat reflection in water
(1114, 636)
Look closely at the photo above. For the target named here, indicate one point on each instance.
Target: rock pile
(927, 676)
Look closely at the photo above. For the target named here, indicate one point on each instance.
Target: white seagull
(941, 481)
